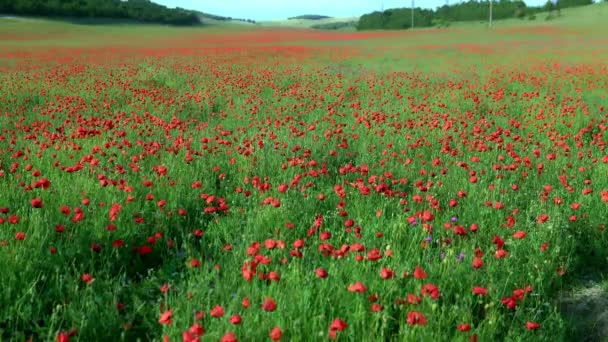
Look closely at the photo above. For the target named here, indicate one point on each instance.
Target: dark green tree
(137, 10)
(471, 10)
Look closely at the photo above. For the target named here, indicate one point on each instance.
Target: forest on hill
(472, 10)
(135, 10)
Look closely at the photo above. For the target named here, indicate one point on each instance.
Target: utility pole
(412, 14)
(491, 1)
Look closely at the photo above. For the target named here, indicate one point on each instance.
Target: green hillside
(136, 10)
(470, 11)
(110, 12)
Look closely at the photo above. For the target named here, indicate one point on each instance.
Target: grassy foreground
(233, 184)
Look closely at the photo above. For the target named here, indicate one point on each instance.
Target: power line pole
(491, 1)
(412, 14)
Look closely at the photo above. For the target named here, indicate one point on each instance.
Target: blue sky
(282, 9)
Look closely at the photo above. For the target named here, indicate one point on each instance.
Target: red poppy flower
(427, 216)
(166, 318)
(236, 319)
(87, 278)
(376, 307)
(63, 337)
(500, 254)
(430, 290)
(196, 330)
(269, 305)
(36, 203)
(357, 287)
(477, 263)
(509, 303)
(415, 318)
(480, 291)
(532, 326)
(229, 337)
(419, 273)
(519, 235)
(464, 327)
(386, 273)
(374, 255)
(321, 273)
(275, 334)
(217, 312)
(338, 325)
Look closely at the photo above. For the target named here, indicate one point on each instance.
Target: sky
(282, 9)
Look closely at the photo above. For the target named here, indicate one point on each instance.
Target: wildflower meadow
(278, 184)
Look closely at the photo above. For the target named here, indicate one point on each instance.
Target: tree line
(135, 10)
(472, 10)
(309, 17)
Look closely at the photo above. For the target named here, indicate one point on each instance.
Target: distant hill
(336, 25)
(310, 17)
(206, 18)
(110, 11)
(320, 24)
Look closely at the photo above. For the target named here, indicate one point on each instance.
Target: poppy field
(186, 185)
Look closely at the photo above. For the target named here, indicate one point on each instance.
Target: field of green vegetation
(255, 183)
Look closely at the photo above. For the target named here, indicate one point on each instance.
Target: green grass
(224, 111)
